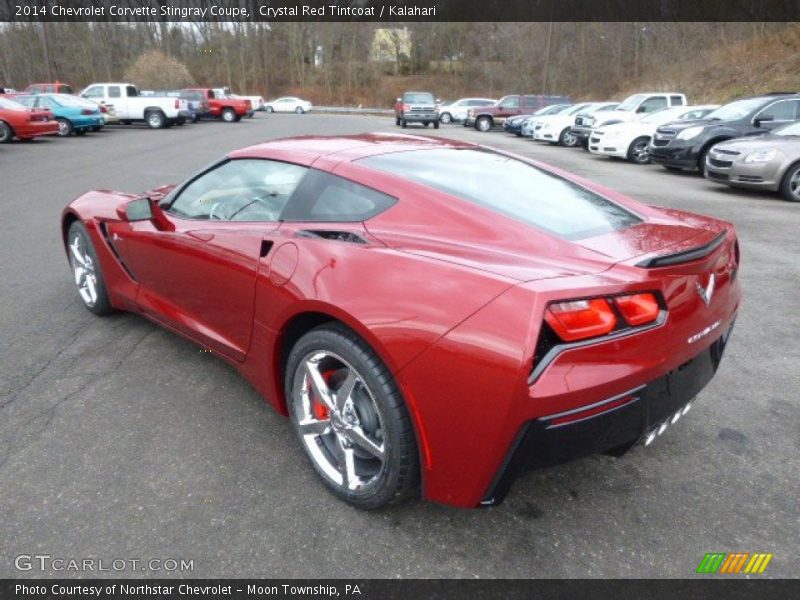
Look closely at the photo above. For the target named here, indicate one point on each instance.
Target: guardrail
(358, 110)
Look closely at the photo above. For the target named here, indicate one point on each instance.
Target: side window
(45, 102)
(652, 104)
(131, 92)
(512, 102)
(239, 190)
(96, 91)
(211, 94)
(676, 100)
(35, 89)
(324, 197)
(783, 110)
(114, 91)
(49, 89)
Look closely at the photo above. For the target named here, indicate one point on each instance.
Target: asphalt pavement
(120, 440)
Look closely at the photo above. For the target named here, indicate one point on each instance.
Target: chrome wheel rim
(483, 125)
(338, 421)
(83, 270)
(639, 152)
(794, 184)
(154, 120)
(569, 139)
(63, 128)
(228, 116)
(445, 118)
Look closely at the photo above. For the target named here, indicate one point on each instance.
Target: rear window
(418, 97)
(510, 187)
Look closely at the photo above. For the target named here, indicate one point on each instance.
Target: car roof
(307, 149)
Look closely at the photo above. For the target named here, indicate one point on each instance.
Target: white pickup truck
(130, 106)
(636, 106)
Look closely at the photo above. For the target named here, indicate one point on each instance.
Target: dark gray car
(765, 162)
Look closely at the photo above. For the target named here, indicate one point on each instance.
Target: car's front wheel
(568, 139)
(229, 115)
(156, 119)
(446, 118)
(790, 186)
(351, 419)
(86, 270)
(299, 110)
(483, 124)
(64, 127)
(269, 109)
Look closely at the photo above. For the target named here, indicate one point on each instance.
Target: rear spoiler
(684, 256)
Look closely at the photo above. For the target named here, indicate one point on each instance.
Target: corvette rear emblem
(706, 292)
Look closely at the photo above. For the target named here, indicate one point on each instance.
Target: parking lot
(119, 439)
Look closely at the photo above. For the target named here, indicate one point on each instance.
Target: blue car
(74, 115)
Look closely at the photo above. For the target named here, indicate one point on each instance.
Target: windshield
(576, 109)
(790, 129)
(418, 97)
(668, 114)
(10, 105)
(510, 187)
(736, 110)
(65, 100)
(550, 110)
(630, 102)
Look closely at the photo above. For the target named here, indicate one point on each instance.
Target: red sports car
(17, 120)
(429, 313)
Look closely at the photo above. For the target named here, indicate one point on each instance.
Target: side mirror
(760, 120)
(140, 209)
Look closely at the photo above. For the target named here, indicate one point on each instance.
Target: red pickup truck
(229, 109)
(483, 118)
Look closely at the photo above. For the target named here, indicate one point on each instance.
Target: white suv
(456, 112)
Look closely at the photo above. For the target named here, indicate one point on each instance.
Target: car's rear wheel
(6, 133)
(156, 119)
(86, 270)
(790, 186)
(229, 115)
(351, 419)
(446, 118)
(638, 152)
(299, 110)
(64, 127)
(436, 124)
(568, 139)
(483, 124)
(269, 109)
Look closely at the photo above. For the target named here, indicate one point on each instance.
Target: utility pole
(46, 49)
(546, 74)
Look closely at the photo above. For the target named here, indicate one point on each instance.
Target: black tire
(101, 305)
(669, 168)
(125, 121)
(637, 151)
(397, 475)
(80, 132)
(436, 124)
(155, 119)
(701, 160)
(96, 128)
(180, 121)
(6, 133)
(483, 123)
(195, 118)
(446, 118)
(65, 128)
(426, 123)
(299, 110)
(229, 115)
(269, 109)
(403, 123)
(567, 139)
(790, 184)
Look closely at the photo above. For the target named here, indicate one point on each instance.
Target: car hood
(763, 142)
(681, 125)
(522, 252)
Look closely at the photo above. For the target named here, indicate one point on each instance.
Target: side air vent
(683, 257)
(337, 236)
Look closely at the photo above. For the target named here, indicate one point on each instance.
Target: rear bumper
(610, 426)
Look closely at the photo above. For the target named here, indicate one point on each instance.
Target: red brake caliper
(321, 411)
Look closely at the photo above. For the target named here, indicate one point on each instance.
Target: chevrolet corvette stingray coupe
(431, 315)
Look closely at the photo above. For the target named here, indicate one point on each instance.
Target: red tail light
(87, 111)
(580, 319)
(177, 103)
(638, 309)
(103, 109)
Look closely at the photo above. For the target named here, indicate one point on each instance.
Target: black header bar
(392, 11)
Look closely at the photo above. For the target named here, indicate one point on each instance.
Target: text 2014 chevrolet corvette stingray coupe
(429, 313)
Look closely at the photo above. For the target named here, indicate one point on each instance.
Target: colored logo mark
(735, 562)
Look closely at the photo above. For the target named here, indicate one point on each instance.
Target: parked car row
(53, 109)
